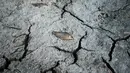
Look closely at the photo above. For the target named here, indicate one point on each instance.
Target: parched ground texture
(100, 28)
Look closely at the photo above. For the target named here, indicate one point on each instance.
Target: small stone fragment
(39, 4)
(63, 35)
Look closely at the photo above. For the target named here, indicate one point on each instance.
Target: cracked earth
(100, 31)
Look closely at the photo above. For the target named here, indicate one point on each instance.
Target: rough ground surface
(101, 31)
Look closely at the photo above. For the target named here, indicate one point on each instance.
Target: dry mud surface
(100, 31)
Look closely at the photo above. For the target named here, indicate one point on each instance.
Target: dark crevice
(87, 49)
(128, 53)
(112, 49)
(14, 51)
(100, 28)
(56, 6)
(79, 19)
(108, 65)
(114, 45)
(124, 38)
(7, 63)
(66, 72)
(88, 26)
(75, 57)
(122, 8)
(3, 17)
(77, 64)
(64, 10)
(74, 16)
(106, 30)
(52, 69)
(9, 14)
(74, 53)
(59, 49)
(11, 27)
(26, 41)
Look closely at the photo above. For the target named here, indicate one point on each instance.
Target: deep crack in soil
(108, 65)
(114, 45)
(52, 69)
(8, 61)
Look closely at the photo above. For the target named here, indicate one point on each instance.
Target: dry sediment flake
(63, 35)
(39, 4)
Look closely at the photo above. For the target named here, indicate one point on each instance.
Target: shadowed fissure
(8, 61)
